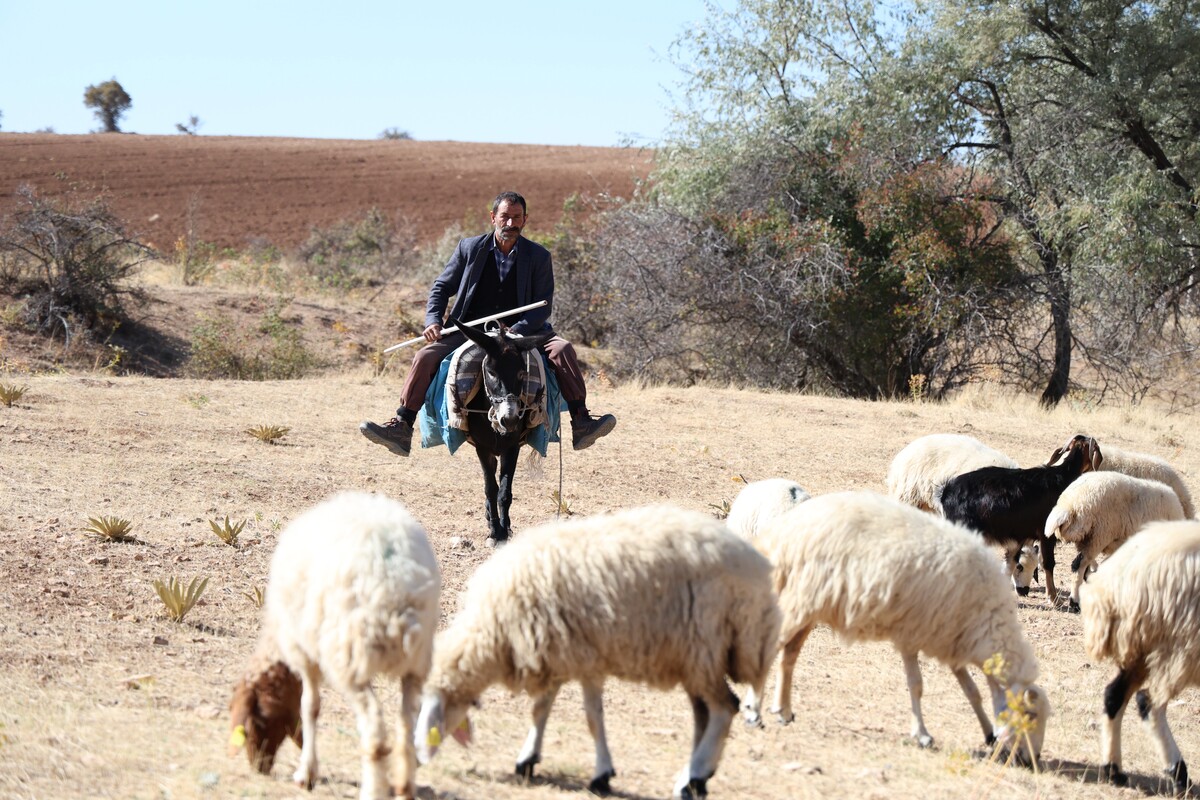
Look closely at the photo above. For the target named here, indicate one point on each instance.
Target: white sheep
(875, 569)
(352, 593)
(1100, 510)
(761, 501)
(658, 595)
(1143, 465)
(1141, 610)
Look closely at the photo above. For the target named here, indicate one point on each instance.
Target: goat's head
(504, 373)
(264, 710)
(1081, 450)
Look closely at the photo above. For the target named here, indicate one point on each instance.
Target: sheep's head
(1087, 448)
(1025, 568)
(438, 716)
(1023, 723)
(265, 710)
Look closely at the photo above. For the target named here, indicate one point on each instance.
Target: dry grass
(102, 696)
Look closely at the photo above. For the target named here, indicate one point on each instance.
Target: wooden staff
(481, 320)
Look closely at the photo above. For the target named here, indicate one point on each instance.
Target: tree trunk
(1059, 294)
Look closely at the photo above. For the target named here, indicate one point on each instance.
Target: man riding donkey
(488, 275)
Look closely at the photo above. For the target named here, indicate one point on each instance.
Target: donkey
(497, 419)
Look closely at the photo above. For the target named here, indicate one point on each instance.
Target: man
(486, 275)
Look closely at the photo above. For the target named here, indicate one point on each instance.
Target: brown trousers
(558, 350)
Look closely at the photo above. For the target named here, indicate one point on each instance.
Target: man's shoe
(395, 434)
(586, 430)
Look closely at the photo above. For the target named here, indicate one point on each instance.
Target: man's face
(508, 219)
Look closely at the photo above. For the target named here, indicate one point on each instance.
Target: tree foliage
(109, 102)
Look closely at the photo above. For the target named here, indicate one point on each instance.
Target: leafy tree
(110, 101)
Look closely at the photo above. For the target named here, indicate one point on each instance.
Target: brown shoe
(586, 430)
(395, 435)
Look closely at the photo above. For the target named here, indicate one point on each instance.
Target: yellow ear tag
(434, 739)
(237, 736)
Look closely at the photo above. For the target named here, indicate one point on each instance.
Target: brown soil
(234, 191)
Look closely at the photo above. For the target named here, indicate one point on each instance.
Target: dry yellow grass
(102, 696)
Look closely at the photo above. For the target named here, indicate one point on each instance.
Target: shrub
(222, 348)
(395, 133)
(11, 394)
(352, 253)
(177, 598)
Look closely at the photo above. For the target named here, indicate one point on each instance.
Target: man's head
(508, 217)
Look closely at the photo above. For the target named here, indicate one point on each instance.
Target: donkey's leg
(508, 468)
(488, 462)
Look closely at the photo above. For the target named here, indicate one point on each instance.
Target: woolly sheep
(1141, 610)
(658, 595)
(1009, 506)
(1100, 510)
(872, 568)
(760, 502)
(920, 470)
(1142, 465)
(352, 593)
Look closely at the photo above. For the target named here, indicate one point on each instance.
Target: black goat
(1009, 506)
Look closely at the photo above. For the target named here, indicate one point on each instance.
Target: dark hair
(509, 197)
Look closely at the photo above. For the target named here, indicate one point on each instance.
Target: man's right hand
(433, 333)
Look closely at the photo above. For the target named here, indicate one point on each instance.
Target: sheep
(872, 568)
(1141, 465)
(1141, 610)
(1100, 510)
(1009, 506)
(264, 709)
(919, 471)
(760, 502)
(659, 595)
(352, 593)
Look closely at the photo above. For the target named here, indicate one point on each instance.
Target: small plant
(720, 510)
(1016, 716)
(268, 433)
(179, 599)
(226, 532)
(11, 394)
(197, 400)
(109, 529)
(256, 595)
(561, 507)
(917, 386)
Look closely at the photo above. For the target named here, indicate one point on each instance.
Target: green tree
(109, 101)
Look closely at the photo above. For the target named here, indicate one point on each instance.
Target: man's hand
(433, 333)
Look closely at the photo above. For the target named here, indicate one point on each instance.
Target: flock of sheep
(671, 597)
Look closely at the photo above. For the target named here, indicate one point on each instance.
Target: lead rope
(558, 510)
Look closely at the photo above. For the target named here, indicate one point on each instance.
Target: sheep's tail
(1061, 524)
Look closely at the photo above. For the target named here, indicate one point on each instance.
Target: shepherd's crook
(479, 321)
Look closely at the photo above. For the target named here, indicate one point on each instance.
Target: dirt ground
(102, 696)
(235, 191)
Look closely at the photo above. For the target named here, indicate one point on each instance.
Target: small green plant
(109, 529)
(11, 394)
(561, 507)
(720, 510)
(178, 598)
(1017, 716)
(268, 433)
(917, 386)
(256, 595)
(196, 400)
(226, 532)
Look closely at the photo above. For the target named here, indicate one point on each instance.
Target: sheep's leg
(508, 468)
(593, 708)
(405, 783)
(1048, 566)
(912, 674)
(787, 665)
(531, 752)
(1116, 698)
(712, 718)
(372, 733)
(1083, 565)
(487, 461)
(310, 683)
(1155, 718)
(976, 700)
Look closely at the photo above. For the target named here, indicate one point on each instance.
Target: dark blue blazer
(535, 281)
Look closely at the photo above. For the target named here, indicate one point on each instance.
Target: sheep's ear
(1032, 698)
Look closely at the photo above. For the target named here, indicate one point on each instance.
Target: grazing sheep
(919, 471)
(657, 595)
(1141, 610)
(1100, 510)
(872, 568)
(352, 593)
(1009, 506)
(1141, 465)
(760, 502)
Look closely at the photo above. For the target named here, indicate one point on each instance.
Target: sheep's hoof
(305, 782)
(1180, 773)
(1073, 606)
(525, 768)
(695, 788)
(785, 717)
(990, 740)
(1111, 773)
(754, 719)
(599, 784)
(925, 741)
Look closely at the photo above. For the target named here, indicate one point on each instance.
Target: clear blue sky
(532, 72)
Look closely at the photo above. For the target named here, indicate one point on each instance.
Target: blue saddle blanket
(440, 417)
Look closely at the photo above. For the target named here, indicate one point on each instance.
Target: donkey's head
(504, 373)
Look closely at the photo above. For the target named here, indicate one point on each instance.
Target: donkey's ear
(529, 342)
(489, 345)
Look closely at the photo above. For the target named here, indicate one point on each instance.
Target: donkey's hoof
(599, 785)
